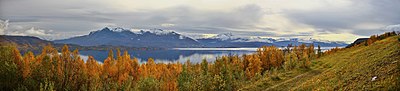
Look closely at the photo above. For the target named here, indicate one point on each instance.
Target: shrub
(148, 84)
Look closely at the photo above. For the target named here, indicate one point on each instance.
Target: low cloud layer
(3, 26)
(320, 19)
(392, 28)
(44, 34)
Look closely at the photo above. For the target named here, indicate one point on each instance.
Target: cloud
(360, 17)
(3, 26)
(391, 28)
(189, 19)
(44, 34)
(37, 32)
(167, 25)
(85, 17)
(267, 18)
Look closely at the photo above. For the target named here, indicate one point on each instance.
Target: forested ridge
(66, 70)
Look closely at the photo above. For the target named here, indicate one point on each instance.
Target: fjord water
(195, 55)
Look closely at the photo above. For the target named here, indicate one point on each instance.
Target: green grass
(349, 69)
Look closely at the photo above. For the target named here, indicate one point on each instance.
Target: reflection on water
(169, 55)
(195, 55)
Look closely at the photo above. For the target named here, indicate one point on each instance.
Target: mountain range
(125, 37)
(170, 39)
(158, 38)
(230, 40)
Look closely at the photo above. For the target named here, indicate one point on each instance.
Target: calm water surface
(195, 55)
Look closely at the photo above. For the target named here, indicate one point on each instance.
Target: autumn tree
(111, 54)
(52, 70)
(372, 39)
(265, 57)
(290, 61)
(124, 67)
(93, 73)
(152, 68)
(305, 61)
(26, 65)
(134, 72)
(254, 66)
(10, 77)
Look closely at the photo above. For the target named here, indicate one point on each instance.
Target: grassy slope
(350, 69)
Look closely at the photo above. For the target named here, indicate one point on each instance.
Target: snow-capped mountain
(224, 36)
(255, 39)
(118, 36)
(234, 38)
(299, 41)
(126, 37)
(230, 40)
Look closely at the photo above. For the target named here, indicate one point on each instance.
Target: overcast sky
(338, 20)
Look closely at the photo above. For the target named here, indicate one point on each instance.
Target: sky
(336, 20)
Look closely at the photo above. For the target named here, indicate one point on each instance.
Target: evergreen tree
(319, 52)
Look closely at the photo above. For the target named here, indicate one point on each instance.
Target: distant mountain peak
(105, 29)
(161, 31)
(224, 36)
(110, 30)
(115, 29)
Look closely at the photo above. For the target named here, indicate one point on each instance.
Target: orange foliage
(26, 66)
(68, 68)
(254, 66)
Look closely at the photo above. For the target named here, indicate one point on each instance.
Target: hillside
(373, 67)
(358, 41)
(24, 43)
(35, 44)
(23, 40)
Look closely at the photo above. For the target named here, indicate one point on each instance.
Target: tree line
(66, 70)
(372, 39)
